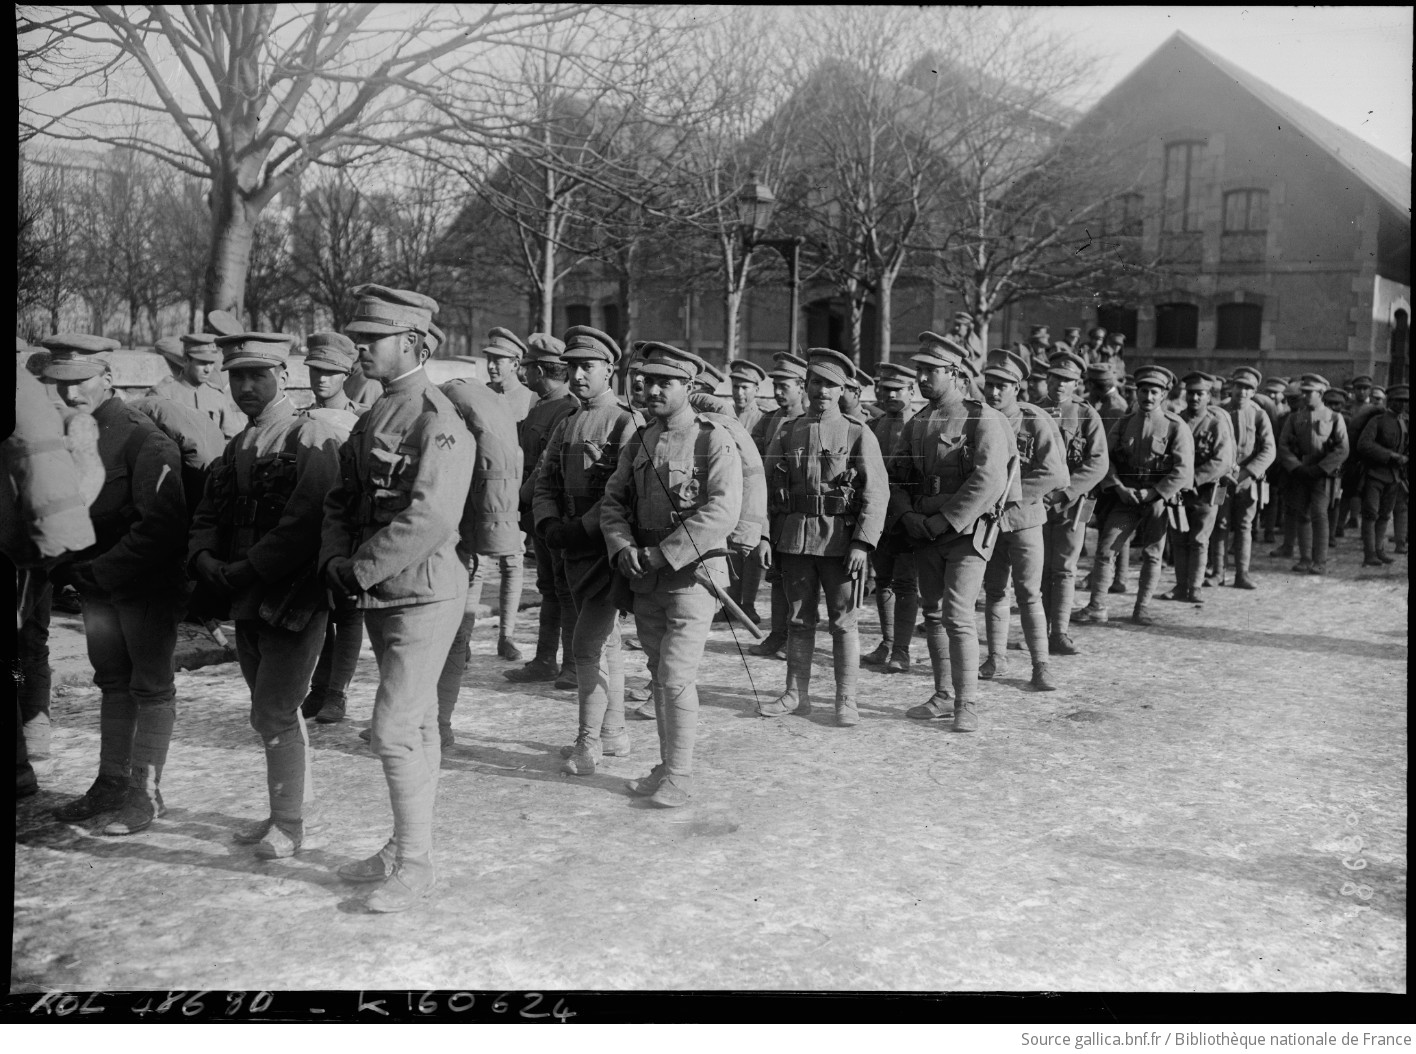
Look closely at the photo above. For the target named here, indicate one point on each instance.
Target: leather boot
(906, 610)
(845, 656)
(1140, 614)
(801, 642)
(1059, 641)
(143, 802)
(885, 606)
(1219, 546)
(1243, 553)
(995, 624)
(107, 794)
(1195, 565)
(681, 724)
(941, 703)
(647, 785)
(777, 635)
(1369, 544)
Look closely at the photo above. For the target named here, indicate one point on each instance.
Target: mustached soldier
(826, 493)
(674, 499)
(951, 474)
(896, 581)
(1254, 451)
(570, 486)
(1213, 437)
(391, 538)
(1312, 447)
(255, 538)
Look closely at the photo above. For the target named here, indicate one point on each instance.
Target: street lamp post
(755, 202)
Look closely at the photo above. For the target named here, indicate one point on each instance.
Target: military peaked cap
(895, 371)
(935, 350)
(709, 372)
(746, 370)
(1362, 379)
(200, 347)
(1066, 364)
(434, 338)
(383, 311)
(253, 350)
(1155, 376)
(223, 323)
(329, 351)
(1397, 391)
(830, 365)
(584, 343)
(789, 367)
(170, 348)
(1313, 382)
(543, 347)
(1006, 365)
(1247, 376)
(76, 356)
(1197, 380)
(1101, 371)
(504, 344)
(657, 359)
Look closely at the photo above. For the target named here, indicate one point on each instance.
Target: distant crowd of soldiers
(376, 509)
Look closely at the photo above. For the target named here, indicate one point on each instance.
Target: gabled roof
(1387, 177)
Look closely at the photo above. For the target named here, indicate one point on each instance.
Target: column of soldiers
(370, 511)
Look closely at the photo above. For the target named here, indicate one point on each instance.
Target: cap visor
(247, 362)
(71, 371)
(655, 369)
(381, 329)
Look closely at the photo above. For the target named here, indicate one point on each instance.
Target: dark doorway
(826, 327)
(1400, 347)
(1114, 318)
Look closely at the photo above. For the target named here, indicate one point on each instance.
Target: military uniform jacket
(678, 486)
(1042, 465)
(533, 433)
(749, 417)
(216, 403)
(1083, 446)
(264, 500)
(362, 391)
(1214, 452)
(770, 424)
(1153, 449)
(752, 522)
(887, 429)
(953, 463)
(578, 461)
(1254, 445)
(1386, 436)
(826, 485)
(341, 412)
(1111, 407)
(489, 521)
(1360, 420)
(404, 475)
(518, 398)
(1313, 437)
(140, 515)
(196, 435)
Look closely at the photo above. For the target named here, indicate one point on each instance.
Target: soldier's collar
(275, 409)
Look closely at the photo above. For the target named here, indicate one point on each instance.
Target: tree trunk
(883, 294)
(732, 320)
(233, 230)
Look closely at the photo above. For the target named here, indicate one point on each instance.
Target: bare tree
(338, 244)
(249, 96)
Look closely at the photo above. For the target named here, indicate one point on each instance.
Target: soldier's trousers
(1190, 547)
(32, 671)
(277, 665)
(455, 665)
(1308, 498)
(557, 622)
(896, 588)
(130, 645)
(339, 655)
(672, 628)
(744, 579)
(1121, 522)
(802, 576)
(599, 666)
(411, 645)
(1241, 511)
(950, 575)
(509, 595)
(1062, 538)
(1378, 504)
(1021, 553)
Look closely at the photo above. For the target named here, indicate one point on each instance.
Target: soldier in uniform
(1069, 507)
(363, 391)
(329, 358)
(196, 388)
(1384, 447)
(950, 475)
(963, 332)
(896, 581)
(826, 492)
(1071, 336)
(1312, 447)
(1152, 460)
(1042, 470)
(391, 538)
(744, 571)
(851, 392)
(1091, 348)
(1254, 451)
(1111, 350)
(746, 377)
(708, 378)
(1213, 462)
(1272, 400)
(549, 377)
(132, 586)
(255, 538)
(789, 390)
(667, 514)
(504, 352)
(489, 528)
(570, 487)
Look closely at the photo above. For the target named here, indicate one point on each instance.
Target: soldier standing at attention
(132, 587)
(826, 495)
(789, 390)
(1272, 400)
(391, 537)
(504, 352)
(1070, 507)
(329, 358)
(851, 392)
(1384, 447)
(1213, 462)
(674, 499)
(1152, 460)
(1254, 451)
(744, 570)
(1105, 397)
(195, 387)
(746, 377)
(1312, 447)
(549, 377)
(256, 538)
(570, 487)
(951, 474)
(1042, 470)
(893, 561)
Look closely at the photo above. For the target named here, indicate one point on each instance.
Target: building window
(1240, 326)
(1124, 220)
(1177, 326)
(1182, 185)
(1245, 211)
(1114, 318)
(611, 315)
(577, 315)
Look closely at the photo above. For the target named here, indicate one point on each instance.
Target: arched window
(1240, 326)
(1182, 185)
(1177, 326)
(1245, 211)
